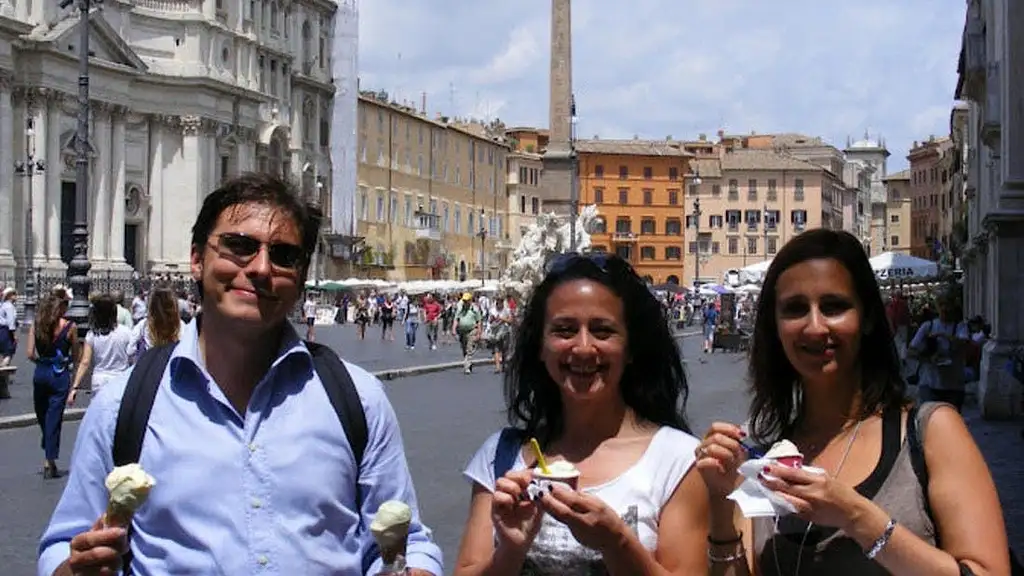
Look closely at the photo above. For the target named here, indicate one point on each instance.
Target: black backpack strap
(137, 403)
(509, 444)
(133, 415)
(344, 397)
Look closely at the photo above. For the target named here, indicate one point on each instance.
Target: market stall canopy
(755, 272)
(893, 265)
(714, 290)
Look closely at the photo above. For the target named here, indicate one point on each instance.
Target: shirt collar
(187, 353)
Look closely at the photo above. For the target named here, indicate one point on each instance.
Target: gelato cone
(390, 528)
(129, 486)
(786, 453)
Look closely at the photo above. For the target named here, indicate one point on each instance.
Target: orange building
(638, 186)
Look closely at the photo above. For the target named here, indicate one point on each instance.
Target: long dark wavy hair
(653, 382)
(50, 310)
(104, 314)
(777, 398)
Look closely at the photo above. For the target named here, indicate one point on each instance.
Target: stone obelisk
(558, 161)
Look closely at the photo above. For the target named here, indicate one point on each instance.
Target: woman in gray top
(825, 375)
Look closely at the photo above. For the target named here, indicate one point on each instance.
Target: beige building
(752, 201)
(524, 196)
(431, 198)
(931, 162)
(894, 222)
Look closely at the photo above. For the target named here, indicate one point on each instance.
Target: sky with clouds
(654, 68)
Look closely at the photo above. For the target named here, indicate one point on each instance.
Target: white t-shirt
(309, 309)
(140, 333)
(111, 354)
(638, 495)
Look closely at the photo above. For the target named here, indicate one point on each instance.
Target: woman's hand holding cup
(719, 456)
(516, 518)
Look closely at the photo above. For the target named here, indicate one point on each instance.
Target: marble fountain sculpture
(548, 235)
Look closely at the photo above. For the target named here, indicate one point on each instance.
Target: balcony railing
(625, 237)
(428, 234)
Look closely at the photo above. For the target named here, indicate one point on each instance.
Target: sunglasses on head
(242, 249)
(563, 262)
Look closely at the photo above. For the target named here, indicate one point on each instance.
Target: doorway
(131, 245)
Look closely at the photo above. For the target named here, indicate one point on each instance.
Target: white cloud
(833, 68)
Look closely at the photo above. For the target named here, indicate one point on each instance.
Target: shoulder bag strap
(133, 415)
(344, 397)
(509, 445)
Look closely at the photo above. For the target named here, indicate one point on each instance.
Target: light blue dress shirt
(271, 491)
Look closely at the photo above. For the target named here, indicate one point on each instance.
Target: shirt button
(256, 503)
(252, 447)
(263, 560)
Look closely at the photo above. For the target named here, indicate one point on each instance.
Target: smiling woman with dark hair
(597, 379)
(901, 489)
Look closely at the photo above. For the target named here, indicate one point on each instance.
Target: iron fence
(102, 281)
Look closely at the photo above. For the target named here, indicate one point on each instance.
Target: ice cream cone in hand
(390, 528)
(129, 486)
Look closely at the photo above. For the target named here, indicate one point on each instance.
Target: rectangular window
(623, 195)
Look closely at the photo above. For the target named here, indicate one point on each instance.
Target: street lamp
(78, 268)
(574, 192)
(696, 227)
(483, 241)
(765, 226)
(318, 252)
(28, 169)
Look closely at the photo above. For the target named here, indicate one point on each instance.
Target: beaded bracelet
(740, 555)
(879, 544)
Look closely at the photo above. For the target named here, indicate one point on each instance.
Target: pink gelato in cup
(786, 453)
(562, 472)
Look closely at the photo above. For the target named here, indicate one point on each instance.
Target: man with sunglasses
(254, 473)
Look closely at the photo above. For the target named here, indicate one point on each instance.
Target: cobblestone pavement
(445, 417)
(371, 353)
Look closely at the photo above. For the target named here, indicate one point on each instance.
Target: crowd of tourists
(468, 319)
(240, 427)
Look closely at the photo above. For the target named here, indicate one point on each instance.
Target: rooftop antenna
(451, 99)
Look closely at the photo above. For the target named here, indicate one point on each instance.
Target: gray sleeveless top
(892, 485)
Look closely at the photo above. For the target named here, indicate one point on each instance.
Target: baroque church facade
(182, 94)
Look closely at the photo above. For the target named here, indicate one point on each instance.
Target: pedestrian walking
(107, 353)
(412, 322)
(8, 326)
(53, 347)
(468, 321)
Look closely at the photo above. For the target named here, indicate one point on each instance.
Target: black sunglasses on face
(242, 249)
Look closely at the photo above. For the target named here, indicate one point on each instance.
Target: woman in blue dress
(53, 347)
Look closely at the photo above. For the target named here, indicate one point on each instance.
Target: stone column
(999, 394)
(100, 194)
(154, 227)
(116, 248)
(49, 235)
(39, 113)
(185, 194)
(6, 172)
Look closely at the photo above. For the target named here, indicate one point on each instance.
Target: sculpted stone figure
(549, 235)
